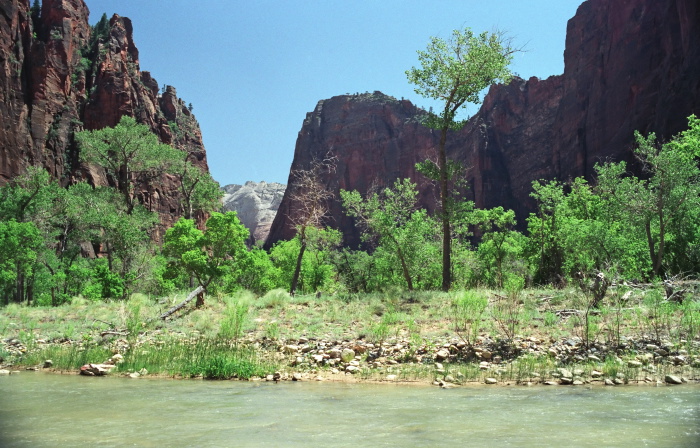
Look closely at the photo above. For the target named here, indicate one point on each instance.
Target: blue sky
(253, 69)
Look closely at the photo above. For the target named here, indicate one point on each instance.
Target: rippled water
(43, 410)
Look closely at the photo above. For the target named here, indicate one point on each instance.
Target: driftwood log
(189, 298)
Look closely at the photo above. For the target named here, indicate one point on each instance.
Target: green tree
(200, 192)
(664, 205)
(20, 244)
(455, 72)
(392, 218)
(500, 243)
(130, 154)
(210, 255)
(315, 270)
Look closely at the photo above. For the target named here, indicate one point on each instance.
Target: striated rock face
(256, 205)
(56, 79)
(629, 65)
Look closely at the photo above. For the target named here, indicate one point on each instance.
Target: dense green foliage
(58, 243)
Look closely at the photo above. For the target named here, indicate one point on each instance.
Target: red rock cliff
(629, 65)
(55, 80)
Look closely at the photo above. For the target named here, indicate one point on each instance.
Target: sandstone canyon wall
(57, 79)
(629, 65)
(256, 204)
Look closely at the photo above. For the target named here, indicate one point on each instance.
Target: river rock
(450, 379)
(335, 353)
(95, 369)
(566, 380)
(391, 377)
(291, 349)
(296, 376)
(48, 364)
(609, 382)
(4, 372)
(491, 380)
(673, 379)
(352, 369)
(485, 354)
(634, 364)
(442, 355)
(679, 360)
(565, 373)
(347, 355)
(596, 374)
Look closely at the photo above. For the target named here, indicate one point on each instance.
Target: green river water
(45, 410)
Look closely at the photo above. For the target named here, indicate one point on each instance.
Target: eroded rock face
(54, 84)
(256, 204)
(375, 138)
(628, 66)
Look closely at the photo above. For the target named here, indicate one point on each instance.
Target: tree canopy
(455, 72)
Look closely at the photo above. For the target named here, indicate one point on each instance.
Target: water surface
(44, 410)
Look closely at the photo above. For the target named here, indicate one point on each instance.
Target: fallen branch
(115, 333)
(111, 325)
(189, 298)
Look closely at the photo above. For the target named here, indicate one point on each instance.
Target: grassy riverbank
(533, 336)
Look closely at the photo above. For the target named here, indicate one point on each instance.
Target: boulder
(673, 379)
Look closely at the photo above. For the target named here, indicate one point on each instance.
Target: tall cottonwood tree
(455, 72)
